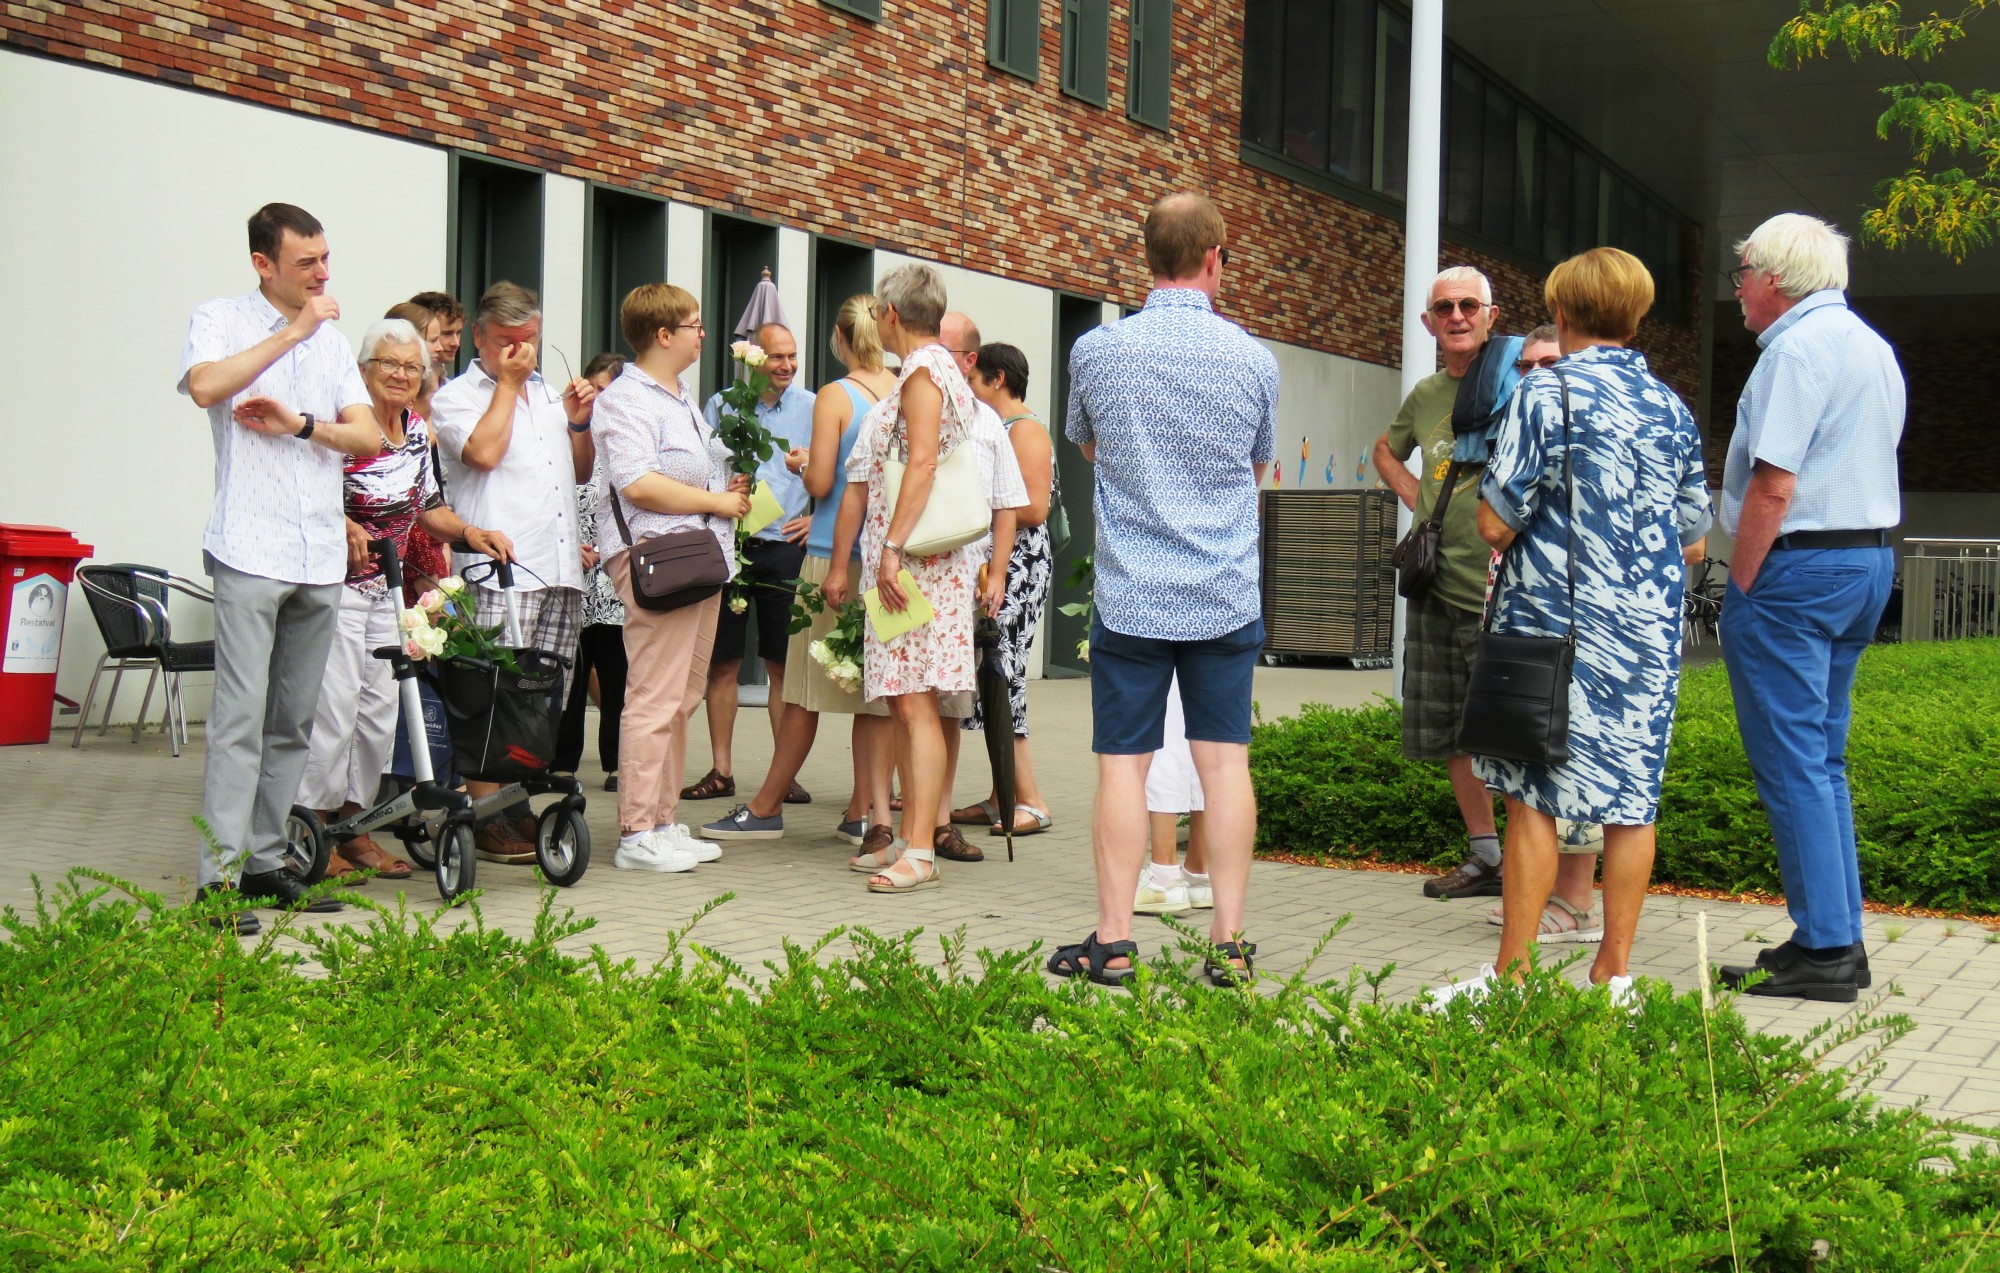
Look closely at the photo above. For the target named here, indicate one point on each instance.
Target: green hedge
(473, 1101)
(1923, 760)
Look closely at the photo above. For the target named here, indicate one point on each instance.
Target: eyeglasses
(876, 311)
(1465, 305)
(973, 352)
(390, 367)
(691, 327)
(1526, 365)
(1737, 275)
(1221, 253)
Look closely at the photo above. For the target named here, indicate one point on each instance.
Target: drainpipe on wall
(1420, 235)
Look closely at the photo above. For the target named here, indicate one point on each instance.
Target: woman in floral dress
(927, 415)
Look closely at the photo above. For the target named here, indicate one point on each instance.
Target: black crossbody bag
(1517, 706)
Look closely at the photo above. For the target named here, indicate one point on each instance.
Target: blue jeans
(1791, 645)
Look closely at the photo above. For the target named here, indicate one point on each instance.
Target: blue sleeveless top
(819, 542)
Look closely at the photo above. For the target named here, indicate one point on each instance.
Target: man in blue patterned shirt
(1810, 492)
(1178, 410)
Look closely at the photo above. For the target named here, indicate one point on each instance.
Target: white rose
(431, 640)
(754, 356)
(739, 350)
(413, 619)
(737, 605)
(820, 654)
(451, 585)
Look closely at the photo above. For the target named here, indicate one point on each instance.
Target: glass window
(1352, 132)
(1464, 99)
(1528, 192)
(1308, 88)
(1392, 102)
(1496, 186)
(1558, 196)
(1263, 73)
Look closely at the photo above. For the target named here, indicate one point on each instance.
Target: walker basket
(503, 724)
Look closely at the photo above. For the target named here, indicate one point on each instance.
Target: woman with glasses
(386, 496)
(661, 470)
(922, 421)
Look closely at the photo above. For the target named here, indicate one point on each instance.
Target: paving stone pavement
(124, 808)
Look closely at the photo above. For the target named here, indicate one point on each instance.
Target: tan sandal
(364, 853)
(894, 881)
(875, 861)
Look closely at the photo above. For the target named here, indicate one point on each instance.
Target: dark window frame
(1085, 66)
(598, 305)
(868, 10)
(1149, 64)
(1014, 37)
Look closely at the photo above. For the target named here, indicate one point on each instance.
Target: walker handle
(384, 553)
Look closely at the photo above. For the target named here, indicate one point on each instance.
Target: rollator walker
(434, 822)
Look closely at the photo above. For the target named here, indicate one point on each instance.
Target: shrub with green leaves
(1923, 764)
(175, 1099)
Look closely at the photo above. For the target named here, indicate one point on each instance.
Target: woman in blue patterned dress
(1640, 503)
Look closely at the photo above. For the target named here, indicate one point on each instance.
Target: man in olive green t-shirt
(1443, 627)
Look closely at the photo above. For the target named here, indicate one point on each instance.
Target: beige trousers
(667, 673)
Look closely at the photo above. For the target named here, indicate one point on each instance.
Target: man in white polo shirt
(285, 404)
(513, 450)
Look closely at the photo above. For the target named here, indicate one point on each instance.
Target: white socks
(1163, 877)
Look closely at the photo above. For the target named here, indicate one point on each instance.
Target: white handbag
(957, 511)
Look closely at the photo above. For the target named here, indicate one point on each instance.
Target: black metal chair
(129, 603)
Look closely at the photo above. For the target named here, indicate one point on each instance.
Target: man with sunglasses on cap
(1443, 627)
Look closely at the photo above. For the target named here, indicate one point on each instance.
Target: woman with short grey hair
(921, 421)
(385, 495)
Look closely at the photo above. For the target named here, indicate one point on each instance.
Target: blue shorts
(1128, 688)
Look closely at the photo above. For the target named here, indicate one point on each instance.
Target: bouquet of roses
(440, 626)
(839, 652)
(749, 442)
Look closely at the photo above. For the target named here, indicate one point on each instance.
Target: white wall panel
(687, 248)
(124, 205)
(565, 206)
(793, 276)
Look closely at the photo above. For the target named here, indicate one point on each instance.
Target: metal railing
(1951, 589)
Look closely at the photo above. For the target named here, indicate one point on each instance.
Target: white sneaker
(1473, 988)
(1154, 900)
(1623, 994)
(652, 852)
(681, 838)
(1201, 893)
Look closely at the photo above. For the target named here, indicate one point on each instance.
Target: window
(869, 9)
(1014, 36)
(496, 229)
(739, 252)
(1149, 66)
(627, 247)
(1086, 50)
(839, 270)
(1326, 90)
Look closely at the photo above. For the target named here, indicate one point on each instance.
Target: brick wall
(895, 134)
(1949, 443)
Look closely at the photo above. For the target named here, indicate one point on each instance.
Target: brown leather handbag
(672, 570)
(1416, 556)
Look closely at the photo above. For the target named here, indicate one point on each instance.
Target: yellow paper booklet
(891, 624)
(764, 509)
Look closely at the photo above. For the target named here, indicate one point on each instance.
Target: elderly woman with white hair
(922, 421)
(385, 495)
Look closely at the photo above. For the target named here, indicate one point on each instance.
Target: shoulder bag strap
(1569, 526)
(1444, 496)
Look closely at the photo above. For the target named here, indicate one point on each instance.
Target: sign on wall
(35, 624)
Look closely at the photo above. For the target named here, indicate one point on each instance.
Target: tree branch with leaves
(1949, 198)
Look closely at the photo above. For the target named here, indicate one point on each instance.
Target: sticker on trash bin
(34, 625)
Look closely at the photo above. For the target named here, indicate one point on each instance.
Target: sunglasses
(1466, 305)
(1526, 365)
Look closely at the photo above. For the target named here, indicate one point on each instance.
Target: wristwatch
(894, 548)
(308, 430)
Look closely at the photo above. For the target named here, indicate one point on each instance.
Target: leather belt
(1831, 539)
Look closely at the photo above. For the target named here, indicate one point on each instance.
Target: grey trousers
(271, 645)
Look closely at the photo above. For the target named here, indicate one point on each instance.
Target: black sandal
(1226, 974)
(1088, 959)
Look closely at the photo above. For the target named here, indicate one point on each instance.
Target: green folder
(890, 624)
(764, 509)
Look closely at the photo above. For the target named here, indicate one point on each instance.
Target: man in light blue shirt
(1177, 409)
(772, 559)
(1810, 492)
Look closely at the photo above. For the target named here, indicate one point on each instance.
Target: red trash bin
(36, 566)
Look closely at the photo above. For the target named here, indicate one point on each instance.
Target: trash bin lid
(17, 540)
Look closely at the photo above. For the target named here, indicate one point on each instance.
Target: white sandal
(873, 863)
(1562, 923)
(891, 881)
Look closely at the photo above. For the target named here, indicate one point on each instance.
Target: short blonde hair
(855, 324)
(648, 308)
(917, 292)
(1805, 253)
(1602, 293)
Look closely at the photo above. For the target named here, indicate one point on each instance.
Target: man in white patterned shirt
(513, 450)
(285, 403)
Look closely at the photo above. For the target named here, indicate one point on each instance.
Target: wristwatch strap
(308, 430)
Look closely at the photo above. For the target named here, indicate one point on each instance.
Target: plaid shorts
(551, 619)
(1438, 647)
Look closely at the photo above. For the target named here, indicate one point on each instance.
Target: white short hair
(1467, 275)
(1805, 253)
(392, 331)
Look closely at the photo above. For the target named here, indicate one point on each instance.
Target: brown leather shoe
(795, 794)
(364, 853)
(1472, 879)
(877, 839)
(948, 843)
(500, 841)
(713, 786)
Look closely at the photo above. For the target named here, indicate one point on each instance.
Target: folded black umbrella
(998, 715)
